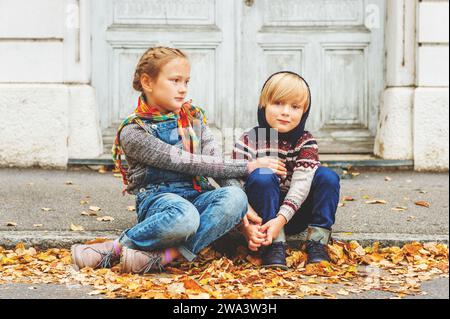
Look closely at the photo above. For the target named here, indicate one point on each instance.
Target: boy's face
(284, 116)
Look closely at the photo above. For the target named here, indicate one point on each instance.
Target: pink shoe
(140, 262)
(100, 255)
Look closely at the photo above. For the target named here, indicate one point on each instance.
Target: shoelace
(153, 259)
(106, 260)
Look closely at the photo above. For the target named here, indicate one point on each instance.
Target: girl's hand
(272, 229)
(252, 216)
(275, 164)
(254, 237)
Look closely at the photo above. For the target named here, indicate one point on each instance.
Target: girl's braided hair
(152, 62)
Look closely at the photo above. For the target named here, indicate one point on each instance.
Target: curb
(64, 239)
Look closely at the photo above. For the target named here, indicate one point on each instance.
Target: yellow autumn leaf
(74, 227)
(105, 219)
(376, 201)
(46, 257)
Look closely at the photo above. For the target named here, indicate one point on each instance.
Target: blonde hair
(284, 87)
(152, 61)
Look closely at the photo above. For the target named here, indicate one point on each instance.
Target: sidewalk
(25, 192)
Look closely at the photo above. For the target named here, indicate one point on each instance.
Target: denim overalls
(171, 213)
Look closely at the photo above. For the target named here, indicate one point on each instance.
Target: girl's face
(168, 91)
(284, 116)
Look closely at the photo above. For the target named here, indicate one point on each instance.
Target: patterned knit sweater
(302, 161)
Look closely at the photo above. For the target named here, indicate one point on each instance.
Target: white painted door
(124, 29)
(235, 44)
(337, 45)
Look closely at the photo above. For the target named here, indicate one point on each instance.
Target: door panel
(331, 45)
(123, 30)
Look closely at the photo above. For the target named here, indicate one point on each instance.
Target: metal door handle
(249, 3)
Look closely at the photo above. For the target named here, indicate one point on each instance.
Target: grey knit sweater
(143, 149)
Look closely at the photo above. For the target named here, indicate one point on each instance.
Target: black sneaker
(274, 256)
(317, 252)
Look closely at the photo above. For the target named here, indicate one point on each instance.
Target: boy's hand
(250, 228)
(272, 229)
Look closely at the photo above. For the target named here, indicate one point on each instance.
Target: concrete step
(331, 160)
(64, 239)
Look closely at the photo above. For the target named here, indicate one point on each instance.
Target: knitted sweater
(142, 150)
(302, 161)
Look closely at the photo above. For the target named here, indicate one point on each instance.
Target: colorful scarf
(186, 118)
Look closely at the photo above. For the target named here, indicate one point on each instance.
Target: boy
(307, 196)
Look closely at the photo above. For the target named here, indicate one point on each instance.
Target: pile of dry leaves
(353, 270)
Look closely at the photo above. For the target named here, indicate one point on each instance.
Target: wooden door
(337, 45)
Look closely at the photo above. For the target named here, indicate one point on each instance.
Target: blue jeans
(176, 215)
(318, 210)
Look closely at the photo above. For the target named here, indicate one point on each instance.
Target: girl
(308, 196)
(164, 141)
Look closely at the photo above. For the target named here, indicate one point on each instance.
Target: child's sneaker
(140, 262)
(274, 256)
(316, 245)
(100, 255)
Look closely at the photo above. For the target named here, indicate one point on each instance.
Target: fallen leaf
(376, 201)
(254, 260)
(422, 203)
(387, 179)
(366, 197)
(105, 219)
(37, 225)
(202, 295)
(341, 204)
(356, 174)
(69, 183)
(94, 208)
(131, 208)
(46, 209)
(90, 213)
(192, 285)
(343, 292)
(11, 224)
(83, 202)
(76, 227)
(348, 199)
(176, 288)
(118, 175)
(96, 241)
(399, 208)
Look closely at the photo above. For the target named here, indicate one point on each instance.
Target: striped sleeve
(244, 148)
(306, 165)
